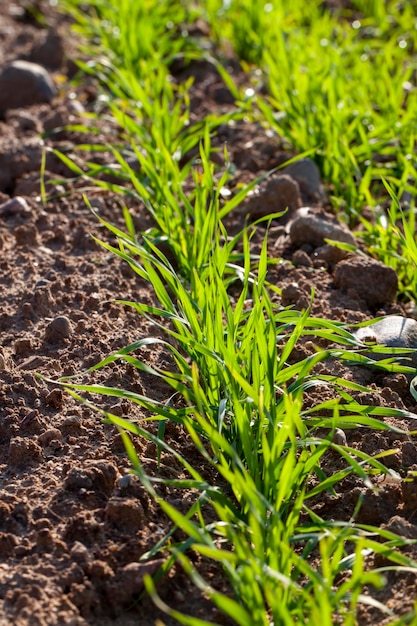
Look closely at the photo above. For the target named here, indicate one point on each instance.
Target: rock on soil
(22, 84)
(313, 227)
(16, 206)
(58, 329)
(307, 174)
(278, 194)
(393, 331)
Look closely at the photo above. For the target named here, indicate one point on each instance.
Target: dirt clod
(370, 280)
(24, 451)
(125, 513)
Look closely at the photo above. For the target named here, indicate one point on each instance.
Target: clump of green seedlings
(242, 400)
(243, 409)
(340, 83)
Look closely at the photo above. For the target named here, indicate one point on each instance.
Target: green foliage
(391, 237)
(342, 85)
(131, 34)
(244, 412)
(242, 397)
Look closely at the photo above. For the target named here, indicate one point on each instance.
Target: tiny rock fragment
(339, 437)
(29, 419)
(32, 363)
(80, 553)
(55, 398)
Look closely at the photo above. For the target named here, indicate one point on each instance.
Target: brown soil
(73, 525)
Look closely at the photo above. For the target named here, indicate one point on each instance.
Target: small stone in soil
(80, 553)
(60, 328)
(279, 193)
(22, 84)
(393, 331)
(49, 435)
(15, 206)
(313, 228)
(55, 398)
(307, 174)
(339, 437)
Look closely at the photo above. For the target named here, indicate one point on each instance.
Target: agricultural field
(208, 305)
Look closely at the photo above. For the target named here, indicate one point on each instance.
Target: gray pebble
(393, 331)
(15, 206)
(125, 481)
(307, 174)
(339, 437)
(80, 553)
(314, 227)
(22, 84)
